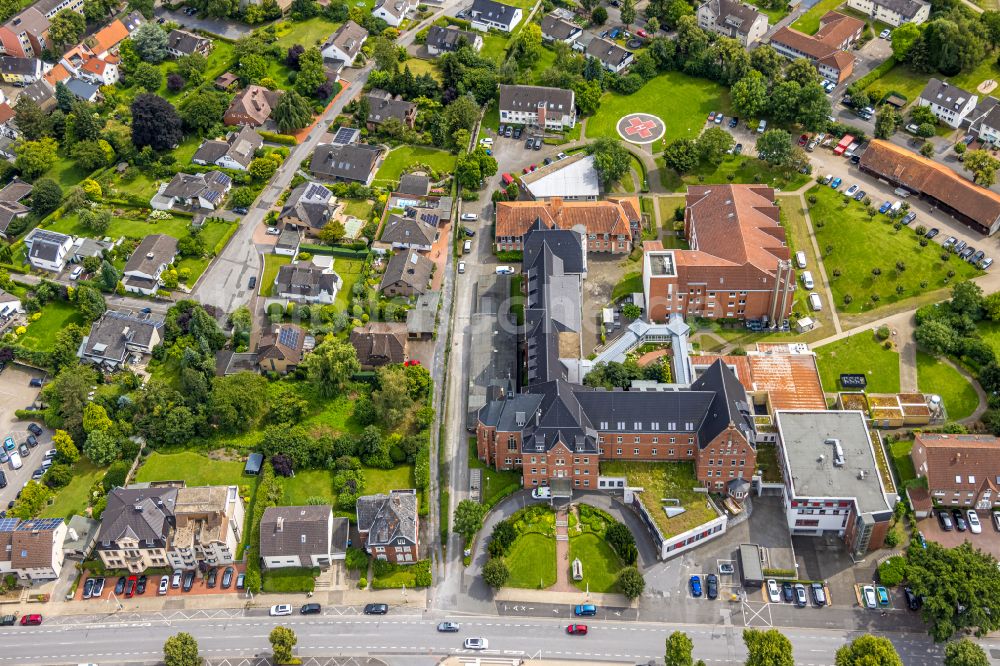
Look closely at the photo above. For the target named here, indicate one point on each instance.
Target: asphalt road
(397, 634)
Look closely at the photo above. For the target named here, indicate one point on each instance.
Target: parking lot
(987, 540)
(15, 393)
(199, 586)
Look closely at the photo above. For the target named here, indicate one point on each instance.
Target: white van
(814, 303)
(505, 270)
(807, 280)
(467, 247)
(15, 460)
(800, 259)
(894, 209)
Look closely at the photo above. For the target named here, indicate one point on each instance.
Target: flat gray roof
(573, 176)
(810, 459)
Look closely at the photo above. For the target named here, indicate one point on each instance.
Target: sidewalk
(569, 598)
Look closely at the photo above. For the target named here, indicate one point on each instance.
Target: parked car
(32, 441)
(835, 183)
(726, 569)
(517, 132)
(761, 126)
(310, 609)
(538, 144)
(120, 585)
(188, 581)
(376, 609)
(711, 586)
(974, 525)
(909, 217)
(88, 588)
(8, 620)
(912, 600)
(787, 592)
(449, 627)
(801, 600)
(585, 610)
(140, 587)
(253, 282)
(945, 520)
(711, 116)
(213, 577)
(738, 149)
(803, 139)
(32, 620)
(23, 448)
(35, 382)
(734, 121)
(852, 190)
(240, 581)
(883, 595)
(227, 578)
(38, 474)
(164, 585)
(130, 585)
(860, 196)
(868, 596)
(98, 587)
(933, 232)
(541, 493)
(885, 34)
(884, 208)
(476, 644)
(34, 429)
(818, 594)
(504, 270)
(719, 118)
(985, 263)
(529, 142)
(577, 629)
(461, 267)
(241, 210)
(949, 242)
(280, 610)
(695, 583)
(959, 519)
(468, 217)
(977, 257)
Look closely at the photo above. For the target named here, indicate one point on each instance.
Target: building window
(635, 451)
(653, 452)
(708, 473)
(506, 461)
(670, 452)
(711, 461)
(690, 452)
(619, 451)
(619, 439)
(511, 443)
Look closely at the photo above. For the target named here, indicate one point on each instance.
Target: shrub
(892, 571)
(883, 332)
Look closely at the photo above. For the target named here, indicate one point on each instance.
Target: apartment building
(893, 12)
(961, 470)
(609, 225)
(950, 104)
(827, 49)
(538, 106)
(734, 19)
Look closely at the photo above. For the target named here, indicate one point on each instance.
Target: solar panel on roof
(289, 337)
(8, 524)
(39, 524)
(430, 218)
(211, 195)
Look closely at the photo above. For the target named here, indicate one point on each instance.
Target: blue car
(835, 183)
(696, 586)
(8, 444)
(884, 207)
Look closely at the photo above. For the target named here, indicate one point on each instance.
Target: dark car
(188, 581)
(960, 520)
(140, 587)
(912, 600)
(88, 588)
(3, 480)
(227, 578)
(517, 132)
(35, 382)
(538, 144)
(120, 585)
(801, 600)
(529, 142)
(944, 520)
(469, 232)
(310, 609)
(734, 121)
(34, 429)
(909, 218)
(8, 620)
(787, 592)
(712, 586)
(253, 282)
(376, 609)
(240, 210)
(32, 441)
(933, 232)
(37, 474)
(213, 576)
(860, 196)
(855, 159)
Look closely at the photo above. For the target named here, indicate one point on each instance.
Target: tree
(750, 94)
(181, 650)
(46, 195)
(202, 112)
(983, 167)
(192, 67)
(282, 640)
(959, 587)
(679, 648)
(967, 299)
(150, 43)
(631, 582)
(611, 159)
(102, 447)
(495, 573)
(868, 650)
(155, 122)
(90, 155)
(775, 147)
(887, 121)
(311, 73)
(330, 365)
(34, 497)
(627, 11)
(238, 402)
(35, 157)
(802, 72)
(31, 120)
(146, 75)
(599, 16)
(109, 276)
(964, 652)
(935, 336)
(66, 27)
(991, 305)
(385, 54)
(767, 648)
(252, 68)
(526, 46)
(903, 39)
(90, 303)
(767, 61)
(332, 233)
(927, 149)
(66, 450)
(262, 168)
(292, 112)
(713, 144)
(469, 518)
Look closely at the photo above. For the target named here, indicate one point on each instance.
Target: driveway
(220, 27)
(16, 394)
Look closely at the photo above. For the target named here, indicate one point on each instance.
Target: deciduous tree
(750, 94)
(775, 147)
(155, 122)
(767, 648)
(181, 650)
(868, 650)
(282, 640)
(292, 112)
(611, 159)
(35, 157)
(66, 450)
(469, 518)
(66, 27)
(983, 167)
(679, 648)
(330, 365)
(495, 571)
(964, 652)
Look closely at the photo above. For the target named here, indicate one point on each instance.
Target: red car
(130, 586)
(577, 629)
(31, 620)
(804, 139)
(641, 33)
(412, 362)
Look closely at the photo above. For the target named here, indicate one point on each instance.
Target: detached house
(548, 108)
(42, 93)
(392, 11)
(195, 192)
(118, 336)
(11, 207)
(445, 40)
(949, 104)
(26, 34)
(235, 152)
(20, 70)
(309, 206)
(407, 274)
(382, 106)
(302, 536)
(48, 250)
(388, 525)
(961, 470)
(183, 43)
(281, 350)
(345, 44)
(143, 269)
(486, 14)
(252, 106)
(408, 233)
(733, 19)
(350, 163)
(32, 549)
(379, 343)
(613, 57)
(307, 283)
(555, 29)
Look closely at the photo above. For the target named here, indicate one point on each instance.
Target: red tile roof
(6, 113)
(965, 457)
(57, 74)
(109, 37)
(612, 216)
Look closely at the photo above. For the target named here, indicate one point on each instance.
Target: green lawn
(859, 354)
(176, 226)
(350, 272)
(662, 480)
(809, 22)
(630, 283)
(494, 46)
(193, 468)
(272, 264)
(546, 59)
(935, 376)
(291, 580)
(384, 480)
(903, 79)
(308, 483)
(743, 168)
(75, 498)
(683, 102)
(359, 208)
(859, 244)
(773, 15)
(600, 563)
(990, 333)
(668, 204)
(902, 461)
(56, 315)
(532, 562)
(494, 484)
(307, 33)
(335, 414)
(66, 172)
(797, 232)
(418, 66)
(404, 156)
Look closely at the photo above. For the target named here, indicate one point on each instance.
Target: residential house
(307, 283)
(105, 41)
(486, 14)
(556, 29)
(289, 241)
(11, 207)
(199, 191)
(893, 12)
(738, 265)
(252, 106)
(383, 105)
(85, 90)
(84, 247)
(388, 526)
(350, 163)
(183, 43)
(236, 151)
(302, 536)
(407, 274)
(208, 526)
(9, 304)
(538, 106)
(48, 250)
(20, 70)
(42, 93)
(609, 225)
(100, 72)
(949, 104)
(408, 232)
(827, 49)
(309, 206)
(974, 206)
(143, 269)
(445, 40)
(422, 317)
(984, 121)
(50, 8)
(734, 19)
(416, 184)
(58, 74)
(117, 337)
(225, 80)
(961, 470)
(281, 350)
(32, 549)
(345, 44)
(8, 123)
(26, 34)
(379, 343)
(392, 12)
(613, 57)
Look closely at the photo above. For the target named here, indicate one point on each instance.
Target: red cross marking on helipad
(641, 127)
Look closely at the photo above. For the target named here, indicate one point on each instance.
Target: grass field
(495, 484)
(290, 580)
(661, 480)
(773, 15)
(56, 315)
(809, 22)
(350, 272)
(990, 333)
(384, 480)
(532, 562)
(75, 497)
(683, 102)
(743, 168)
(600, 564)
(308, 483)
(902, 461)
(546, 59)
(859, 354)
(121, 226)
(418, 66)
(66, 172)
(193, 468)
(936, 376)
(797, 232)
(903, 79)
(307, 33)
(630, 283)
(272, 264)
(359, 208)
(856, 244)
(404, 156)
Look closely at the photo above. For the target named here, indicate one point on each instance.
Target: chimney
(280, 524)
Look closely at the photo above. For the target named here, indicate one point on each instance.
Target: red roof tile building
(961, 470)
(827, 48)
(608, 225)
(738, 266)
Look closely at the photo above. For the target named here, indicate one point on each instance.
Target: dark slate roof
(409, 267)
(416, 184)
(349, 162)
(305, 280)
(239, 145)
(146, 514)
(408, 230)
(41, 91)
(729, 406)
(906, 8)
(563, 243)
(81, 88)
(528, 98)
(186, 42)
(554, 27)
(493, 11)
(382, 106)
(154, 251)
(16, 190)
(295, 530)
(309, 203)
(446, 39)
(387, 518)
(607, 52)
(19, 66)
(349, 38)
(114, 331)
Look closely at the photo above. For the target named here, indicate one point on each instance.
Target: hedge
(224, 240)
(513, 256)
(334, 251)
(387, 575)
(269, 492)
(779, 573)
(874, 75)
(30, 414)
(503, 494)
(274, 137)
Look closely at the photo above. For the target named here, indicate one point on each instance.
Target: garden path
(563, 583)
